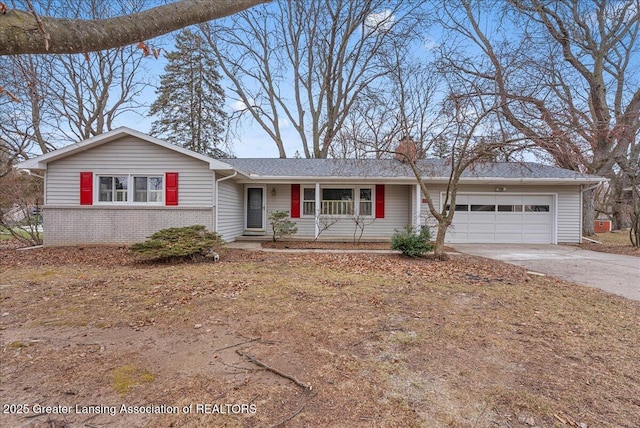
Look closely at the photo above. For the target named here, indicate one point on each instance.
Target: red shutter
(171, 188)
(86, 188)
(295, 201)
(379, 200)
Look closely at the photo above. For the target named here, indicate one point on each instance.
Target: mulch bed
(326, 245)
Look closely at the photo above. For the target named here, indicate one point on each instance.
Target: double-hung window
(309, 201)
(130, 189)
(113, 189)
(147, 189)
(366, 202)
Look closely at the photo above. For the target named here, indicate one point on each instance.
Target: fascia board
(410, 180)
(40, 162)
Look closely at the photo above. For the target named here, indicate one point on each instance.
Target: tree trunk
(634, 231)
(620, 210)
(588, 212)
(438, 250)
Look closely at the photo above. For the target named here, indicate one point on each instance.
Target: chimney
(406, 149)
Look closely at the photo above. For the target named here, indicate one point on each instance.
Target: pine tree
(190, 99)
(441, 148)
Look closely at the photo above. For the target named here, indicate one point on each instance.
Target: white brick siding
(68, 225)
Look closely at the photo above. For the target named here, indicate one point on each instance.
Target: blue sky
(252, 142)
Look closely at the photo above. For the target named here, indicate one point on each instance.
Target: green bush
(179, 244)
(410, 243)
(281, 225)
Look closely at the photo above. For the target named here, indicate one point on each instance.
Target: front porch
(330, 212)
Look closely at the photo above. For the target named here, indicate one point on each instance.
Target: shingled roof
(267, 168)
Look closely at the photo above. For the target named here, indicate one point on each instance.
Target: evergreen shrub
(193, 243)
(412, 243)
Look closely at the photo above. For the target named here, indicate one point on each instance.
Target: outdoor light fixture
(273, 192)
(501, 189)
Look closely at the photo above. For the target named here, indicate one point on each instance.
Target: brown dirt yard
(92, 338)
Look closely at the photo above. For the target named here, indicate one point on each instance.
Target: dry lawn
(379, 340)
(616, 242)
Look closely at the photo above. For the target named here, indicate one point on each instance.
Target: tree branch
(21, 31)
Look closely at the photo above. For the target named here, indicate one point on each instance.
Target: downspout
(584, 189)
(418, 208)
(215, 220)
(317, 219)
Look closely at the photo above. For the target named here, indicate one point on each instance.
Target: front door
(255, 208)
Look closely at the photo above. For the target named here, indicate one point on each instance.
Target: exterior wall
(66, 222)
(230, 209)
(569, 217)
(129, 155)
(69, 225)
(397, 214)
(567, 210)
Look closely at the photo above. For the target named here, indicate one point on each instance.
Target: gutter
(270, 179)
(215, 220)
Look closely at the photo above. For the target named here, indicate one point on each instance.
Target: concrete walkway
(613, 273)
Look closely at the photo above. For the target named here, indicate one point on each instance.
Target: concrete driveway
(614, 273)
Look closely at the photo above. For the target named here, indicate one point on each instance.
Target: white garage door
(502, 219)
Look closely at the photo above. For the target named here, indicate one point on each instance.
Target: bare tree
(360, 222)
(400, 106)
(20, 199)
(630, 168)
(26, 31)
(22, 115)
(87, 93)
(69, 97)
(304, 63)
(471, 129)
(564, 73)
(463, 129)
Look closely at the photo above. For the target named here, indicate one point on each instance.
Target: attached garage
(503, 218)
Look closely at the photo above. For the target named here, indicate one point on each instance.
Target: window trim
(149, 191)
(130, 189)
(113, 191)
(303, 200)
(356, 200)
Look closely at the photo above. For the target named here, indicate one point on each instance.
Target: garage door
(502, 219)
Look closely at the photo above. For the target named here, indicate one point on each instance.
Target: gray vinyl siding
(568, 221)
(130, 155)
(230, 209)
(397, 214)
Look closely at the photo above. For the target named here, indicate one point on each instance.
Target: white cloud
(380, 20)
(238, 105)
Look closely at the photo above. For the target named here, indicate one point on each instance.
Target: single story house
(123, 185)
